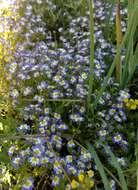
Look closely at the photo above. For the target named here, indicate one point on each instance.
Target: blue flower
(12, 150)
(55, 181)
(70, 144)
(38, 150)
(34, 161)
(23, 128)
(117, 138)
(62, 127)
(44, 160)
(17, 161)
(28, 184)
(69, 159)
(71, 170)
(14, 93)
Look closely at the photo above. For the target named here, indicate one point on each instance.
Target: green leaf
(4, 158)
(99, 167)
(117, 166)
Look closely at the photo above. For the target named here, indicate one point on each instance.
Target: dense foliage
(61, 105)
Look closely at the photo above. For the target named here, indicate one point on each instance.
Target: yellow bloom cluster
(131, 104)
(84, 181)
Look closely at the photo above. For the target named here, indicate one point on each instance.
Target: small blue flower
(117, 118)
(44, 160)
(34, 161)
(112, 111)
(85, 157)
(70, 144)
(117, 138)
(71, 170)
(38, 150)
(39, 141)
(12, 150)
(23, 128)
(14, 93)
(55, 181)
(69, 159)
(62, 127)
(17, 161)
(28, 184)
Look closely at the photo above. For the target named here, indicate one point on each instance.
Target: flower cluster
(131, 103)
(46, 70)
(84, 181)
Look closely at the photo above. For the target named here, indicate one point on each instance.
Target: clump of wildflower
(74, 184)
(131, 104)
(83, 181)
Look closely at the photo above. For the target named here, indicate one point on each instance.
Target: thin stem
(57, 100)
(112, 175)
(119, 37)
(15, 137)
(83, 9)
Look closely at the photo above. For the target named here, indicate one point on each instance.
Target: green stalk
(134, 64)
(100, 167)
(91, 76)
(117, 167)
(83, 8)
(119, 36)
(126, 38)
(130, 10)
(132, 7)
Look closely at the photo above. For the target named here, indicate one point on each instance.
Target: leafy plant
(101, 168)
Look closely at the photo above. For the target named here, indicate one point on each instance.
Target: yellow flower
(81, 177)
(128, 104)
(133, 106)
(91, 183)
(136, 102)
(131, 100)
(74, 184)
(126, 100)
(90, 173)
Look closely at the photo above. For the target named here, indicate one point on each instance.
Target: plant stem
(119, 37)
(125, 39)
(83, 9)
(130, 11)
(91, 74)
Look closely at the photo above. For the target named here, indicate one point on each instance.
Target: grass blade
(134, 64)
(126, 39)
(117, 166)
(100, 168)
(119, 37)
(129, 53)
